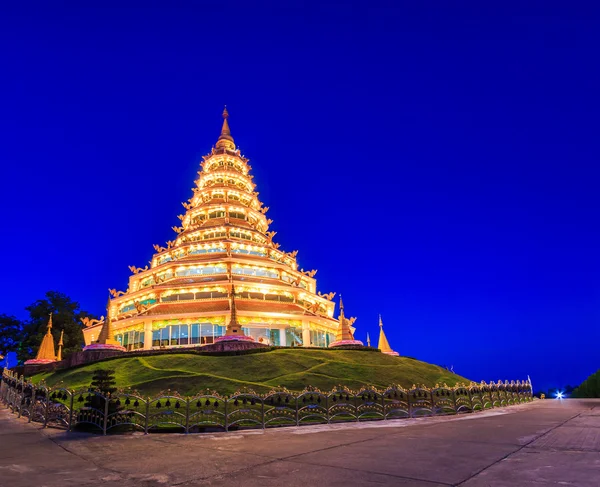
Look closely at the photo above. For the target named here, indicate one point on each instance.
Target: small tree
(103, 384)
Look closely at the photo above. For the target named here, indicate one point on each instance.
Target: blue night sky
(438, 166)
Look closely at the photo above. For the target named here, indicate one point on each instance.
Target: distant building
(223, 246)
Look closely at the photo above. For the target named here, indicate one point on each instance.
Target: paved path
(538, 444)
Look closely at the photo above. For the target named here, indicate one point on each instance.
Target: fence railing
(121, 411)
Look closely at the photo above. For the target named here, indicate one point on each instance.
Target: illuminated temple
(221, 265)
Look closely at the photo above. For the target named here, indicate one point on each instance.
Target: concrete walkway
(542, 443)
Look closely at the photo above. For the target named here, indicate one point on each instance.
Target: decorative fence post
(47, 407)
(297, 413)
(187, 416)
(105, 421)
(71, 411)
(262, 411)
(432, 402)
(226, 417)
(146, 415)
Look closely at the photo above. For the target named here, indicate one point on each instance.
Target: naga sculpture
(309, 273)
(264, 209)
(115, 294)
(87, 322)
(328, 296)
(158, 248)
(140, 307)
(137, 270)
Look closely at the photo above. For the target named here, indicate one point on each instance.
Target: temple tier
(222, 265)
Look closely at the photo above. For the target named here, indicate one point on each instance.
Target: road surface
(544, 443)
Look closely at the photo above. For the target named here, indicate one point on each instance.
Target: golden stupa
(384, 345)
(345, 334)
(46, 352)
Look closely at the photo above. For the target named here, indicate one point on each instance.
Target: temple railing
(59, 407)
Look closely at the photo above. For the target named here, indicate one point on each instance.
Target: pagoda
(383, 344)
(46, 352)
(345, 331)
(221, 276)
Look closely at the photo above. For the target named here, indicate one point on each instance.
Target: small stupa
(106, 339)
(368, 340)
(60, 345)
(46, 352)
(234, 331)
(344, 335)
(384, 345)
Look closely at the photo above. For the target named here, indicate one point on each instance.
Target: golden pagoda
(384, 345)
(345, 332)
(46, 352)
(221, 272)
(60, 345)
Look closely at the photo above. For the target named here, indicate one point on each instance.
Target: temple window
(240, 234)
(293, 337)
(237, 214)
(186, 334)
(218, 196)
(233, 196)
(257, 271)
(131, 340)
(216, 214)
(207, 251)
(216, 234)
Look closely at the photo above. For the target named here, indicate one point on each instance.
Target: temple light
(559, 395)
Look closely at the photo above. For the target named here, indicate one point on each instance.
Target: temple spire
(233, 328)
(60, 345)
(225, 140)
(383, 344)
(107, 334)
(368, 340)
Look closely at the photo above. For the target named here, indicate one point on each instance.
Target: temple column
(282, 338)
(305, 334)
(147, 335)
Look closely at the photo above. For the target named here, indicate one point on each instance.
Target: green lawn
(189, 374)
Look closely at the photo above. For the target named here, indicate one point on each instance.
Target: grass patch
(295, 369)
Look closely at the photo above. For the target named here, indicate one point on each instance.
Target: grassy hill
(189, 373)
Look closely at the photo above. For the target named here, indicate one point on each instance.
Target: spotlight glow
(559, 395)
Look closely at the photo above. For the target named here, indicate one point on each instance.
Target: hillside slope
(293, 369)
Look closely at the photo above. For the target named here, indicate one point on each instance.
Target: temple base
(38, 361)
(341, 343)
(94, 347)
(234, 338)
(394, 354)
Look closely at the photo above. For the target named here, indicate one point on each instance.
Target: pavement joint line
(519, 449)
(434, 482)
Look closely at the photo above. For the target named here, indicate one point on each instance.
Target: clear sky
(437, 165)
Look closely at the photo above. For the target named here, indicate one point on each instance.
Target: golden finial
(60, 341)
(225, 139)
(50, 323)
(368, 340)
